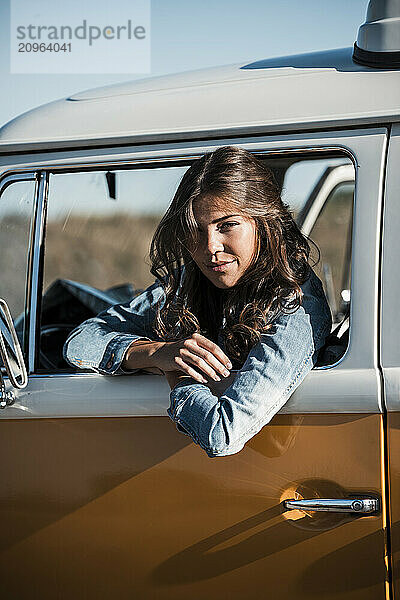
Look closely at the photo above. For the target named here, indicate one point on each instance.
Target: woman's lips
(220, 266)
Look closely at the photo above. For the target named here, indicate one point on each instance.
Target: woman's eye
(227, 225)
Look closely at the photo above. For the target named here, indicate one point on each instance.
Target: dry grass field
(102, 252)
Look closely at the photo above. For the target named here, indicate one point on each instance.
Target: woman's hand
(197, 357)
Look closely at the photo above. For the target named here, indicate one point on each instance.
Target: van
(101, 496)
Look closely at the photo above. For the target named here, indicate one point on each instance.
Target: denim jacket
(274, 368)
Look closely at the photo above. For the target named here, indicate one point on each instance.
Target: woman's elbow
(222, 440)
(211, 422)
(216, 450)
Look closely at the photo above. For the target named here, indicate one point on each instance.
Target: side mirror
(11, 355)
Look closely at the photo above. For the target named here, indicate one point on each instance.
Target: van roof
(304, 91)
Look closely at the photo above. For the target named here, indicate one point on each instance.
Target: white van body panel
(321, 89)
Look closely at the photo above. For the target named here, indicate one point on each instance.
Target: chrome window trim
(6, 180)
(122, 164)
(36, 267)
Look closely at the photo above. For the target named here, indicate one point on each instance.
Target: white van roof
(314, 90)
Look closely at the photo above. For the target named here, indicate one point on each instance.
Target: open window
(98, 231)
(100, 223)
(327, 219)
(17, 196)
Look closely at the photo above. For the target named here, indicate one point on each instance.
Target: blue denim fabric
(274, 367)
(100, 343)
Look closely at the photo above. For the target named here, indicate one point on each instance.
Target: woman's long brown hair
(236, 178)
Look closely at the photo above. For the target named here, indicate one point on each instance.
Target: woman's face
(227, 241)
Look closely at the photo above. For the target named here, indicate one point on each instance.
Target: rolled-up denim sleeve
(100, 343)
(274, 368)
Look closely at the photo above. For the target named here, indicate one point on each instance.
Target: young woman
(234, 292)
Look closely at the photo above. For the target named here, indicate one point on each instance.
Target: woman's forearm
(196, 357)
(143, 354)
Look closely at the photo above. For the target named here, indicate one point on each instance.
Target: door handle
(349, 505)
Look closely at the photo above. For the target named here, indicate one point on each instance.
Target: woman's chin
(223, 282)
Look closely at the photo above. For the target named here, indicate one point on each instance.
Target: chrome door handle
(351, 505)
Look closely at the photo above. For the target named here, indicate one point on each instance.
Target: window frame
(7, 179)
(177, 160)
(150, 163)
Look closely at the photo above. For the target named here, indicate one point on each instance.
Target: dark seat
(336, 343)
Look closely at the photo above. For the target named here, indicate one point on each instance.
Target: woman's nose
(214, 242)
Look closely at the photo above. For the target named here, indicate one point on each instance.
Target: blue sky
(190, 35)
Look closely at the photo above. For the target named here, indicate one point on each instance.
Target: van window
(16, 209)
(98, 233)
(332, 234)
(100, 224)
(325, 215)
